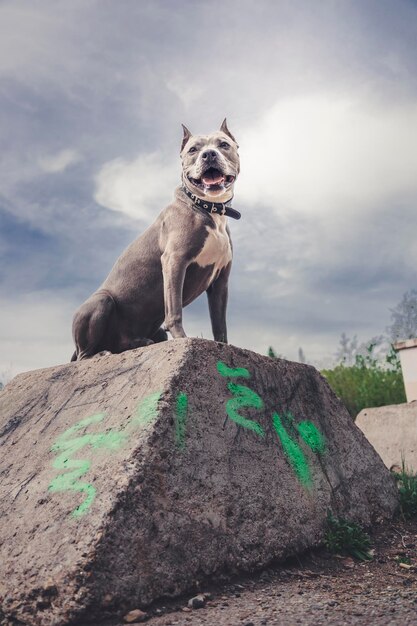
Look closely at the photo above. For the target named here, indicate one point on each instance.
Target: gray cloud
(323, 100)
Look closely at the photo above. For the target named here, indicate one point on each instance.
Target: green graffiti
(285, 426)
(312, 437)
(66, 445)
(147, 410)
(71, 441)
(244, 397)
(293, 452)
(181, 410)
(230, 372)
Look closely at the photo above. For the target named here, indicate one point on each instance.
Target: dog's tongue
(213, 178)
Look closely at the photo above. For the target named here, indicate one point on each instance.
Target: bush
(344, 537)
(368, 383)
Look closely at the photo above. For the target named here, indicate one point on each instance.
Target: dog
(185, 252)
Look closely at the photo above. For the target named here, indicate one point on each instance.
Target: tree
(404, 318)
(301, 356)
(347, 349)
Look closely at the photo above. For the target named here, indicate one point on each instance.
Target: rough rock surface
(392, 430)
(130, 477)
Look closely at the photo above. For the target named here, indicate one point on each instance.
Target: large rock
(133, 476)
(392, 430)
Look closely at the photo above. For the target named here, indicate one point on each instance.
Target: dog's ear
(226, 131)
(187, 135)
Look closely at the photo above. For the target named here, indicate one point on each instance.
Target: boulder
(130, 477)
(392, 430)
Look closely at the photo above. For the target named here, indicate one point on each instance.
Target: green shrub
(367, 383)
(407, 488)
(344, 537)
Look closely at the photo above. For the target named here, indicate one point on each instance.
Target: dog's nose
(209, 155)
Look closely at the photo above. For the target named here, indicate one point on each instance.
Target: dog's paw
(140, 342)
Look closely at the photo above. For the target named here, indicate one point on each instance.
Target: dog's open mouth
(213, 180)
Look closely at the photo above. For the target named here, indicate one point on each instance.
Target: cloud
(323, 152)
(322, 99)
(56, 163)
(35, 331)
(139, 188)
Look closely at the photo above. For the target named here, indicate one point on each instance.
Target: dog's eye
(191, 150)
(224, 144)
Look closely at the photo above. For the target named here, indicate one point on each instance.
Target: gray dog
(186, 251)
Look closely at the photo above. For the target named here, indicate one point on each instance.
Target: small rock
(186, 609)
(50, 588)
(197, 602)
(135, 616)
(107, 600)
(349, 563)
(43, 603)
(332, 603)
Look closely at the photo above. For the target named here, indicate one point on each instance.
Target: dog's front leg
(173, 270)
(217, 301)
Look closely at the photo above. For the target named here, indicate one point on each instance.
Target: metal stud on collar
(212, 207)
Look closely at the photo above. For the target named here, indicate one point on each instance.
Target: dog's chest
(216, 250)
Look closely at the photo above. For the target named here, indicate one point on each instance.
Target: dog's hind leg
(91, 325)
(160, 335)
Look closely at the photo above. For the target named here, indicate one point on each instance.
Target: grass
(367, 383)
(345, 537)
(348, 538)
(407, 488)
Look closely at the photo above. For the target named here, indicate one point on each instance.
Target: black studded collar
(221, 208)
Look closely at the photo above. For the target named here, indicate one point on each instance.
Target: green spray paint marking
(244, 397)
(287, 432)
(181, 410)
(67, 446)
(70, 442)
(147, 410)
(232, 372)
(312, 437)
(293, 452)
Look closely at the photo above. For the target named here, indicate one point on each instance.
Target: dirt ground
(319, 588)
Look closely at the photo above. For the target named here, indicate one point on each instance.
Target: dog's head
(210, 164)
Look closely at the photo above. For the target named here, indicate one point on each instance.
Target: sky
(322, 99)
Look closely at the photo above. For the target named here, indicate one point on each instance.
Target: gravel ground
(319, 588)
